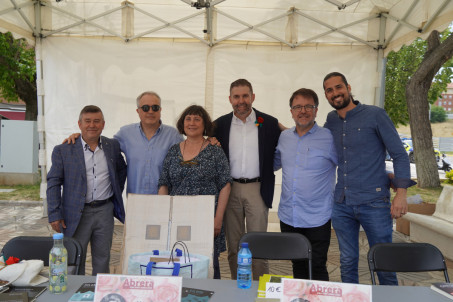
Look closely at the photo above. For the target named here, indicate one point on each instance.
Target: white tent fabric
(106, 52)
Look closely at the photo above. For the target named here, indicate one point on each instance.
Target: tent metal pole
(379, 98)
(338, 29)
(434, 16)
(408, 12)
(21, 13)
(332, 30)
(42, 158)
(16, 7)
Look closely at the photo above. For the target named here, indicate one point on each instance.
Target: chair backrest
(279, 246)
(405, 257)
(35, 247)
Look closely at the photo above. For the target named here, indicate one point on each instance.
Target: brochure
(84, 293)
(443, 288)
(31, 292)
(195, 295)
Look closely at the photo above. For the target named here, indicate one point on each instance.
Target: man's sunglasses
(146, 108)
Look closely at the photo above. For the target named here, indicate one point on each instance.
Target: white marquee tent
(106, 52)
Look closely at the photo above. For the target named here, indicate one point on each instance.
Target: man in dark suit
(92, 173)
(249, 138)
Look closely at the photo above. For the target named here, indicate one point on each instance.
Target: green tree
(401, 65)
(438, 52)
(18, 73)
(438, 114)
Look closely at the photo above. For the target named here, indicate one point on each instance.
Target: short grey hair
(148, 93)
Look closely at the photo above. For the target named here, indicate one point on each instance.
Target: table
(227, 291)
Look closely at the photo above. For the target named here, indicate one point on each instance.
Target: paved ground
(17, 220)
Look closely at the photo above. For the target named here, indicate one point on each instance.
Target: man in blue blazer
(92, 173)
(248, 138)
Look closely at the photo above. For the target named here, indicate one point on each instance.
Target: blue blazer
(68, 170)
(268, 135)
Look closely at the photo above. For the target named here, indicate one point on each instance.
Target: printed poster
(124, 288)
(300, 290)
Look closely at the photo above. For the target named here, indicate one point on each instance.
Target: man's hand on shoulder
(71, 139)
(213, 141)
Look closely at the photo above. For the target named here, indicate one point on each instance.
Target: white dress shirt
(244, 152)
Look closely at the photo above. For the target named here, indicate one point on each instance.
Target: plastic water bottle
(244, 277)
(58, 266)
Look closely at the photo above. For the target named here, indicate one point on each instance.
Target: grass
(22, 192)
(429, 195)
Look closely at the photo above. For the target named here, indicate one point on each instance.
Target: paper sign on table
(274, 290)
(322, 291)
(124, 288)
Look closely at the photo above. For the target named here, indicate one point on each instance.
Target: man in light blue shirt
(306, 153)
(146, 144)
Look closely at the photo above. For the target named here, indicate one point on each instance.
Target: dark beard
(344, 104)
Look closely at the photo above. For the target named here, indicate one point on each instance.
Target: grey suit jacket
(68, 171)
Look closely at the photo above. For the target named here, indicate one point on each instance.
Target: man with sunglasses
(306, 153)
(145, 144)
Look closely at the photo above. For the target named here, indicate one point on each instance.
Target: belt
(98, 203)
(247, 180)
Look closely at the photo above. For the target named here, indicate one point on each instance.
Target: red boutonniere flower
(12, 260)
(259, 121)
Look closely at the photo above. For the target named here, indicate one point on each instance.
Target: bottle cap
(58, 236)
(245, 244)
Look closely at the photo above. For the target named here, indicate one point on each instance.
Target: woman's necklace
(191, 162)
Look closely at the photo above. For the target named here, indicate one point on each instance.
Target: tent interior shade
(287, 22)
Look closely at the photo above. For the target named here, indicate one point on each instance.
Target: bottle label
(245, 261)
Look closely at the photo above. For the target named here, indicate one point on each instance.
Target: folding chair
(405, 257)
(279, 246)
(35, 247)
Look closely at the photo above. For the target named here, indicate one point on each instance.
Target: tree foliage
(18, 73)
(438, 114)
(401, 65)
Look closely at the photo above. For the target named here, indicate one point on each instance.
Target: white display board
(156, 222)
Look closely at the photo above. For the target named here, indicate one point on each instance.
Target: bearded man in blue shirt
(362, 134)
(308, 158)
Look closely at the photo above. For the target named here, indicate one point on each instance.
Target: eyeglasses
(308, 108)
(146, 108)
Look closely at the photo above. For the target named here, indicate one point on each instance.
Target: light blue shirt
(98, 178)
(145, 157)
(308, 165)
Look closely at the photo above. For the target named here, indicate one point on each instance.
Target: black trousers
(319, 238)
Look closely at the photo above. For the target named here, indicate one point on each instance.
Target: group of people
(234, 159)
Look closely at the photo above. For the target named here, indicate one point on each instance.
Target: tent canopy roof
(379, 24)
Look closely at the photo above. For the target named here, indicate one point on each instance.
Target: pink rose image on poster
(167, 292)
(356, 295)
(293, 289)
(107, 283)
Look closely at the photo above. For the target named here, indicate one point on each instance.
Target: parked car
(407, 143)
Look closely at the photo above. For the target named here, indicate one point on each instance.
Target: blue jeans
(377, 223)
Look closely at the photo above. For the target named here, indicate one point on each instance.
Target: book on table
(22, 293)
(443, 288)
(84, 293)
